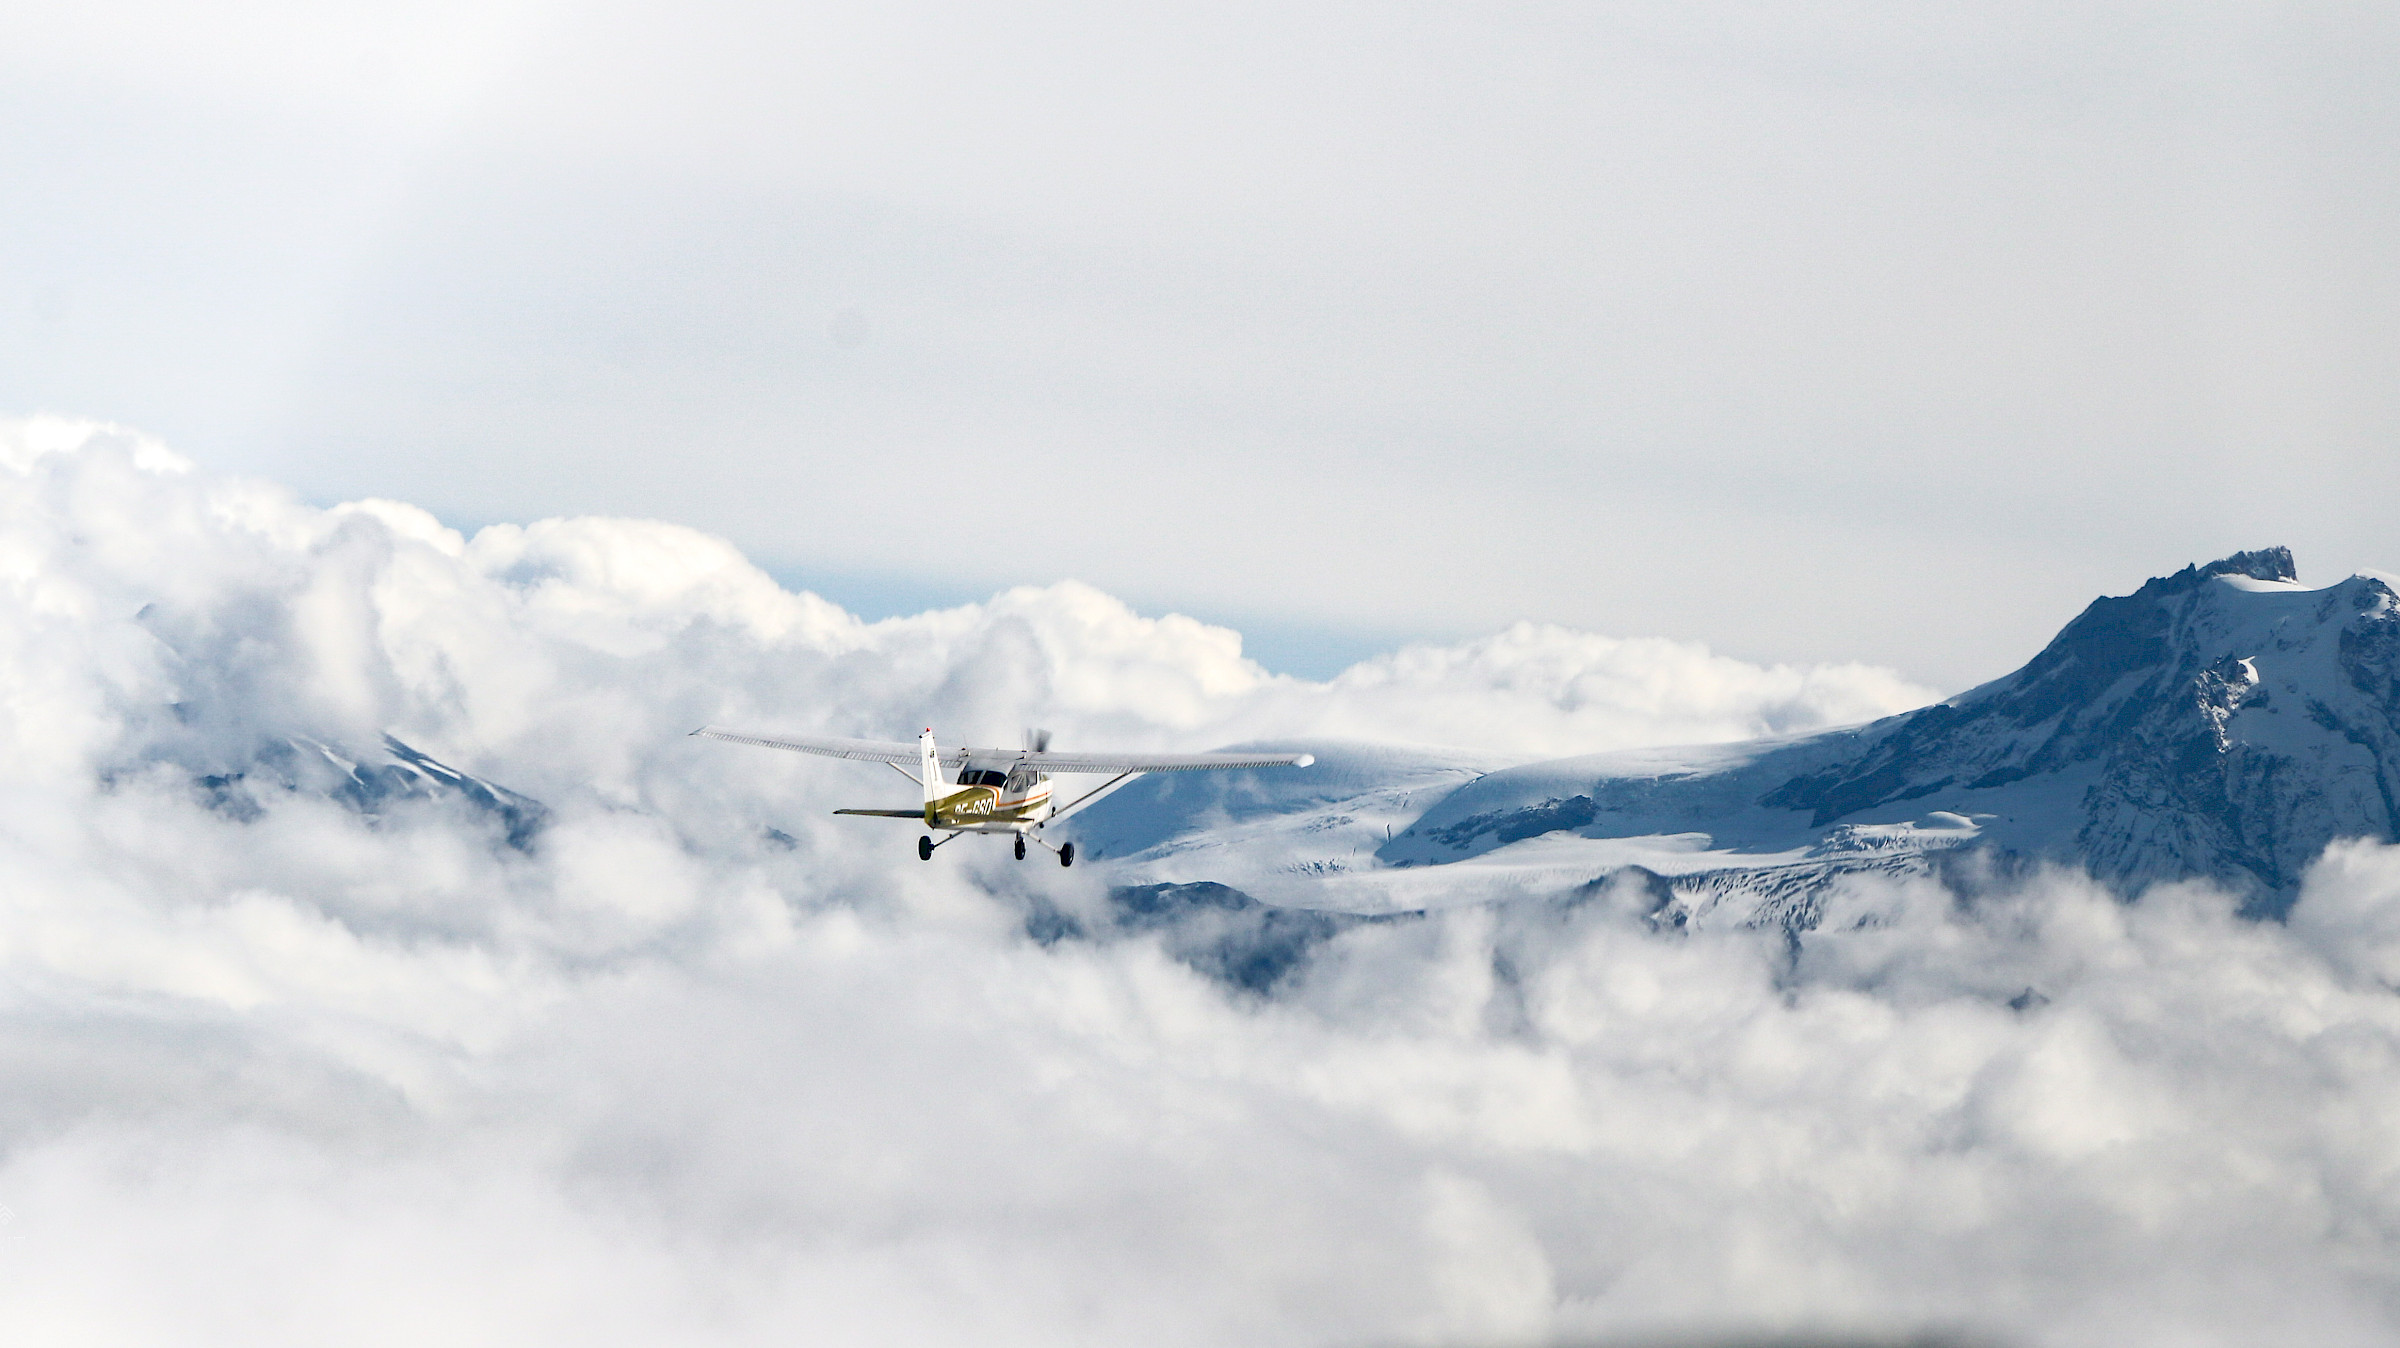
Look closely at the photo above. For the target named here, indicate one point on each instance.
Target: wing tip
(1304, 760)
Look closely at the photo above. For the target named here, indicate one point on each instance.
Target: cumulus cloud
(691, 1064)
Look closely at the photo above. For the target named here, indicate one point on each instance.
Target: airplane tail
(929, 766)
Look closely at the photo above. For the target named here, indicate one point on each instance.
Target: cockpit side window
(980, 777)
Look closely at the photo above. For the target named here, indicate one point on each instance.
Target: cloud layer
(697, 1065)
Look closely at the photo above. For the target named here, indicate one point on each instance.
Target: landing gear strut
(1066, 851)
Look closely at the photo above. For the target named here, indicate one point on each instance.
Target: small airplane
(999, 790)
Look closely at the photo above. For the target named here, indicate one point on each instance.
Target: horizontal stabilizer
(887, 814)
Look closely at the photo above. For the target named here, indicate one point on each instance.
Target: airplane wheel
(925, 849)
(1020, 847)
(1066, 855)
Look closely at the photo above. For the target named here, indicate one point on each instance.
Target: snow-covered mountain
(372, 784)
(2224, 722)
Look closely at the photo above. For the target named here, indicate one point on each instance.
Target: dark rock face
(2218, 723)
(416, 774)
(1216, 929)
(1518, 825)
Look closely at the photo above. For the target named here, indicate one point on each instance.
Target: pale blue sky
(1811, 331)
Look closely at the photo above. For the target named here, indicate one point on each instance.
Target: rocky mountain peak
(2221, 722)
(2264, 564)
(2214, 730)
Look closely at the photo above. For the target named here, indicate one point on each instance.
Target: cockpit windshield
(980, 777)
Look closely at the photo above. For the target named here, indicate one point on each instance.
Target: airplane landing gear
(925, 848)
(1066, 851)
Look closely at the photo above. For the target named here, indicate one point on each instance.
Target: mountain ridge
(2222, 723)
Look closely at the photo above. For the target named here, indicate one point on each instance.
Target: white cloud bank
(272, 1070)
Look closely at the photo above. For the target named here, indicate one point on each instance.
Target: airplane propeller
(1037, 741)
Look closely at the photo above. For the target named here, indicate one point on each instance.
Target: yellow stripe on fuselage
(983, 807)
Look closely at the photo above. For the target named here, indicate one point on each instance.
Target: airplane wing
(870, 751)
(905, 755)
(1103, 763)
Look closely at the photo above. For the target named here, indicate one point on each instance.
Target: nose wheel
(1020, 847)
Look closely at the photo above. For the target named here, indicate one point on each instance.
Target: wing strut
(1086, 798)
